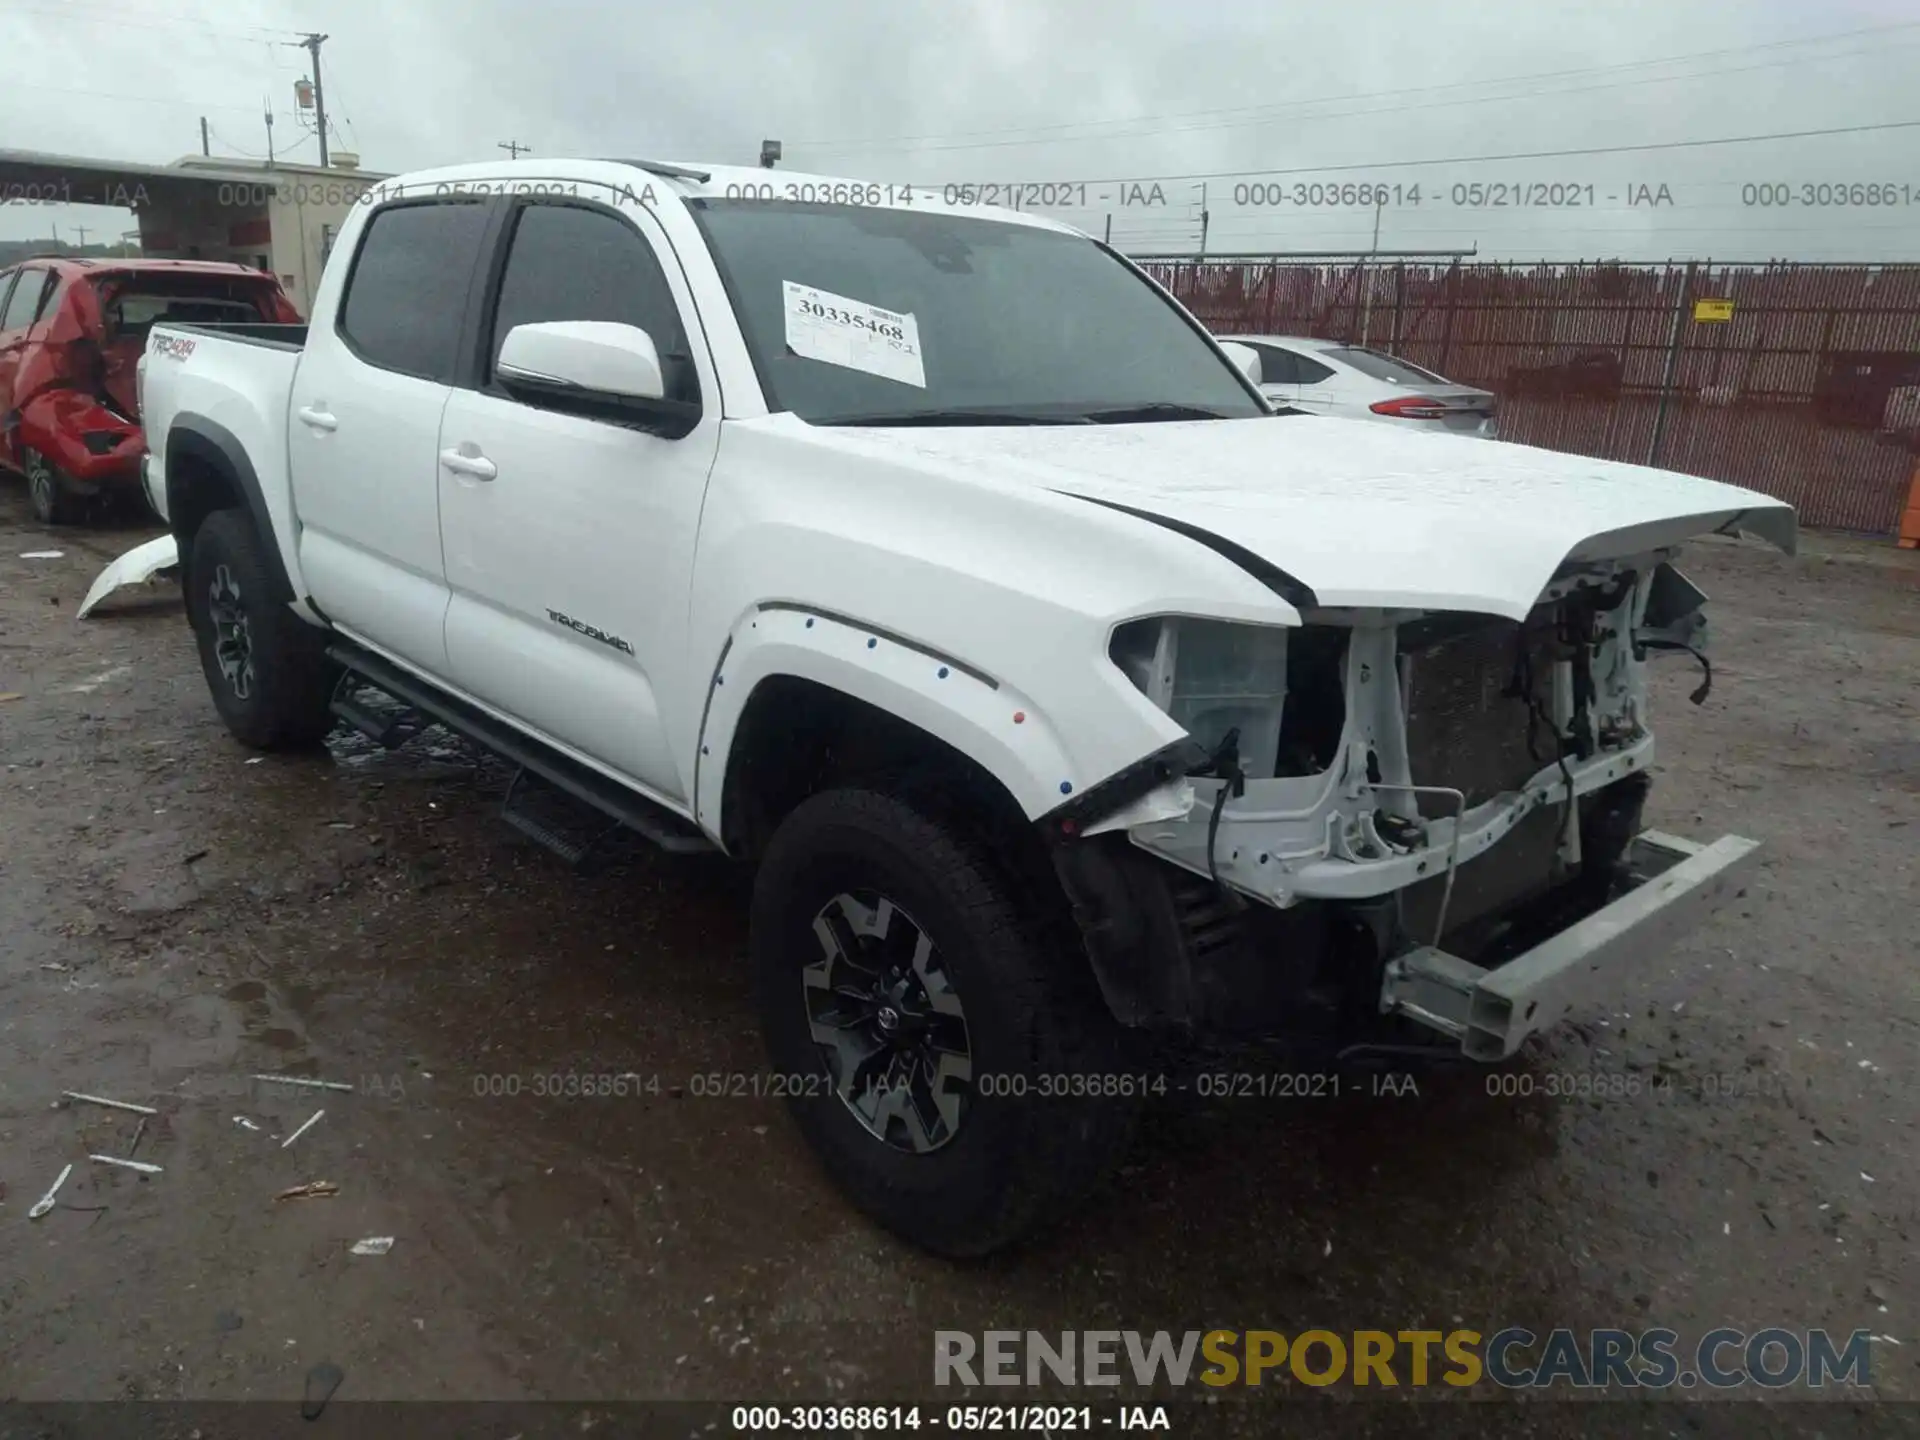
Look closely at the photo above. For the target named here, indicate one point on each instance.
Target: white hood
(1359, 514)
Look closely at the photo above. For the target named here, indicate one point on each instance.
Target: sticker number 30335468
(836, 330)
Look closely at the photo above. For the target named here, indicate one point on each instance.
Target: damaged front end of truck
(1434, 816)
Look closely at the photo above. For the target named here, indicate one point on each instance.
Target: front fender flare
(976, 713)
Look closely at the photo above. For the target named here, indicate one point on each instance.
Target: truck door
(365, 425)
(569, 540)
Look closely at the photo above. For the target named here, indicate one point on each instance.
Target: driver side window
(568, 262)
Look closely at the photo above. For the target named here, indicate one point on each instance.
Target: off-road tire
(288, 680)
(48, 495)
(1034, 1021)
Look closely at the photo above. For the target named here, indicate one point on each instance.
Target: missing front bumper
(1675, 884)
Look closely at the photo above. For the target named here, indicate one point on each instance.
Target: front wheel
(267, 668)
(945, 1061)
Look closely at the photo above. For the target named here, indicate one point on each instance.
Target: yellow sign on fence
(1705, 310)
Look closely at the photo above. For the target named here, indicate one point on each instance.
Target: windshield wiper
(956, 417)
(1153, 410)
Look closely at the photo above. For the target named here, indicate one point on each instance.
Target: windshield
(1384, 367)
(867, 314)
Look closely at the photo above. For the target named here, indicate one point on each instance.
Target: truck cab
(937, 564)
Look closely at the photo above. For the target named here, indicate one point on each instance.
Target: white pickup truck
(935, 562)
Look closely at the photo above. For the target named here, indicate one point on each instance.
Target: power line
(1493, 159)
(135, 99)
(1557, 93)
(154, 20)
(1281, 110)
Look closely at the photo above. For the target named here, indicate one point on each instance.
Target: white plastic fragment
(1866, 1177)
(311, 1121)
(373, 1245)
(244, 1123)
(45, 1202)
(41, 554)
(140, 1165)
(110, 1104)
(137, 566)
(303, 1080)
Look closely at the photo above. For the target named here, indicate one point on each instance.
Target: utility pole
(312, 44)
(83, 235)
(1366, 314)
(513, 148)
(206, 147)
(1203, 217)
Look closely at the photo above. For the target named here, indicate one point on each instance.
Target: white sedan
(1329, 377)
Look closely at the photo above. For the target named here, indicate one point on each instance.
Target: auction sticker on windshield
(853, 334)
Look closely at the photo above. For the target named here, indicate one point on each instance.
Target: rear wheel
(268, 669)
(52, 499)
(936, 1050)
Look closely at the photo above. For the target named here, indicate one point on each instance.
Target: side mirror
(594, 368)
(592, 356)
(1246, 357)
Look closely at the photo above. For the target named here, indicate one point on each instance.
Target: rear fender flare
(983, 718)
(216, 446)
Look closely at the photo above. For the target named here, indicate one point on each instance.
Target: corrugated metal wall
(1811, 392)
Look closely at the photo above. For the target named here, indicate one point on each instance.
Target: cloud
(1069, 91)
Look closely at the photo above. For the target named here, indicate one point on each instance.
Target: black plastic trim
(670, 831)
(1068, 819)
(1296, 593)
(202, 438)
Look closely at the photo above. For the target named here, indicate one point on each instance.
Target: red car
(71, 333)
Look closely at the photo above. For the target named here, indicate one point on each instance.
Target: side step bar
(664, 828)
(1490, 1013)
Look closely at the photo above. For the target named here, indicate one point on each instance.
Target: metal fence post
(1673, 361)
(1399, 301)
(1446, 333)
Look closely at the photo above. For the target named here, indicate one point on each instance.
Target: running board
(388, 730)
(656, 823)
(521, 809)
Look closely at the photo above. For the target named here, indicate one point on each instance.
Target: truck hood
(1352, 513)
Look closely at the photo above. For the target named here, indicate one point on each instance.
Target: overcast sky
(1070, 91)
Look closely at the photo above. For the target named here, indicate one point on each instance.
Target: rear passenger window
(25, 300)
(570, 263)
(1312, 372)
(1277, 366)
(407, 292)
(46, 298)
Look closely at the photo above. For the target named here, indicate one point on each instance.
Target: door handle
(474, 467)
(316, 418)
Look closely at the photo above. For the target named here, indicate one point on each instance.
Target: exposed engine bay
(1383, 781)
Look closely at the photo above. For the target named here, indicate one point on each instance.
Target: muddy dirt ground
(177, 914)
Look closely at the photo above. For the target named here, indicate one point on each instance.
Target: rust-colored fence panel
(1810, 391)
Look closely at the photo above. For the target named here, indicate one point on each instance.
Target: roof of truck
(692, 180)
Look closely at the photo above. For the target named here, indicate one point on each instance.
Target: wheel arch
(208, 470)
(798, 695)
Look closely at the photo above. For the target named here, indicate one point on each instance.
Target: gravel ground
(178, 914)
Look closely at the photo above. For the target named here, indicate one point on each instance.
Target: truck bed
(250, 332)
